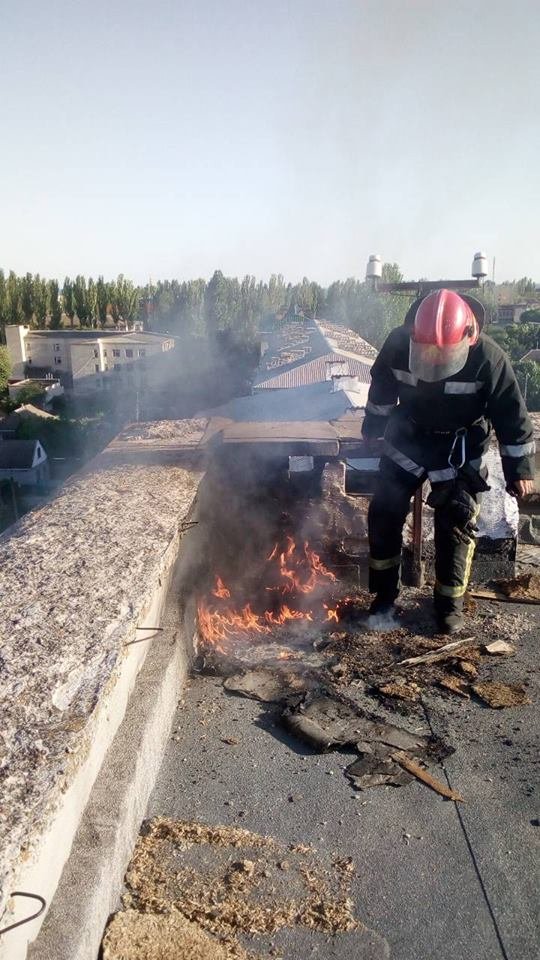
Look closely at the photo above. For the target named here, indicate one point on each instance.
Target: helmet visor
(430, 363)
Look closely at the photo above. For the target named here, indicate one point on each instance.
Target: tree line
(38, 302)
(200, 309)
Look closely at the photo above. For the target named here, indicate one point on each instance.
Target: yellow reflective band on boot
(444, 591)
(470, 552)
(458, 591)
(385, 564)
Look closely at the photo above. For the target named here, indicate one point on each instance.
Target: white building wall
(48, 351)
(93, 362)
(15, 341)
(87, 365)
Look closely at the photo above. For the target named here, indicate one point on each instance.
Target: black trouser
(454, 541)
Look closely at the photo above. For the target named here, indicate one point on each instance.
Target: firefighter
(438, 386)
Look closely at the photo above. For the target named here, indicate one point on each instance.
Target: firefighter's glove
(440, 495)
(456, 510)
(462, 507)
(474, 480)
(464, 534)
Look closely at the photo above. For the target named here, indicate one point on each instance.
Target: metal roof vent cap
(480, 265)
(336, 368)
(345, 383)
(374, 267)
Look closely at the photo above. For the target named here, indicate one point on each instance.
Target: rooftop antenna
(479, 272)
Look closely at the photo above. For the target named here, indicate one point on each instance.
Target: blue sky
(176, 137)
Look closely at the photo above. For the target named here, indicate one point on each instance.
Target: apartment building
(84, 361)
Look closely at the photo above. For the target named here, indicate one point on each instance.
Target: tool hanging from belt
(459, 436)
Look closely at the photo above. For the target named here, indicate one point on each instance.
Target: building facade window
(129, 353)
(56, 348)
(104, 353)
(96, 353)
(116, 353)
(142, 353)
(58, 360)
(118, 367)
(96, 367)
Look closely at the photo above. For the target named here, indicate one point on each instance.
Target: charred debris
(283, 618)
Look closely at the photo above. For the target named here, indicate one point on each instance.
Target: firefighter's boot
(382, 606)
(449, 614)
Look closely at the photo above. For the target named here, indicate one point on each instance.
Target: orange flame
(220, 590)
(292, 564)
(331, 613)
(298, 571)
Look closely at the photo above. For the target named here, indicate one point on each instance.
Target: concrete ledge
(92, 880)
(77, 581)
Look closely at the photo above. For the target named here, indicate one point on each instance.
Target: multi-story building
(512, 312)
(84, 361)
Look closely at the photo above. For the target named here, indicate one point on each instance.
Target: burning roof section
(303, 352)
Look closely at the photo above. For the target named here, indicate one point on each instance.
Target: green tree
(41, 300)
(13, 290)
(528, 377)
(80, 304)
(68, 300)
(217, 304)
(33, 393)
(4, 311)
(102, 295)
(355, 304)
(391, 273)
(5, 368)
(79, 300)
(55, 308)
(530, 316)
(516, 339)
(164, 305)
(27, 298)
(92, 303)
(525, 287)
(126, 299)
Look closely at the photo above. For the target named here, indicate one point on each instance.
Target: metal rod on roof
(422, 286)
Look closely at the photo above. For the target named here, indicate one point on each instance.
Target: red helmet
(444, 329)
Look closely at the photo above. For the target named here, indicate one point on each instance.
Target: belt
(445, 433)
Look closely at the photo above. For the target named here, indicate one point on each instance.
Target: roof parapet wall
(78, 577)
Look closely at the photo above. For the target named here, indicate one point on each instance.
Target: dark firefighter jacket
(418, 420)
